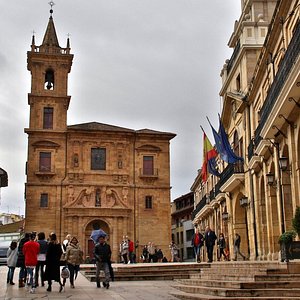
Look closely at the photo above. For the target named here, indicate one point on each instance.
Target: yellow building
(91, 173)
(260, 90)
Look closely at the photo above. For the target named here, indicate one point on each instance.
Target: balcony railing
(231, 169)
(199, 206)
(284, 70)
(233, 56)
(147, 174)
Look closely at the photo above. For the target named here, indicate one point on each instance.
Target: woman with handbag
(74, 257)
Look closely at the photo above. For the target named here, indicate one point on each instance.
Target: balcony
(199, 206)
(280, 79)
(232, 176)
(154, 174)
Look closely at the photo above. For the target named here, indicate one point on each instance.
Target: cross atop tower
(51, 3)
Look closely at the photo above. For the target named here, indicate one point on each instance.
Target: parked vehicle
(5, 240)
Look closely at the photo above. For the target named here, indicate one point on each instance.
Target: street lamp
(270, 178)
(225, 216)
(283, 163)
(244, 201)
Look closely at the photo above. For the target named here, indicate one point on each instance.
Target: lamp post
(244, 204)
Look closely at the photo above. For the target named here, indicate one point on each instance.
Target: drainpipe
(251, 182)
(61, 188)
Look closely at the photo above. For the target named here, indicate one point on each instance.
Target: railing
(233, 57)
(284, 70)
(199, 206)
(231, 169)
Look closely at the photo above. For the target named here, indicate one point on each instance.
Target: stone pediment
(45, 144)
(98, 197)
(149, 148)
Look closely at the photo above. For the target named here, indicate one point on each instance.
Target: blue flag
(223, 146)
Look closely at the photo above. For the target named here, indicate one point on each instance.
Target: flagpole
(202, 129)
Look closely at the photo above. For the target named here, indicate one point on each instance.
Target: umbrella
(96, 234)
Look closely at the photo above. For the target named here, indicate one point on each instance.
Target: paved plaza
(84, 289)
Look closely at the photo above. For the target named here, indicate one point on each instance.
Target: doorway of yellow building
(89, 244)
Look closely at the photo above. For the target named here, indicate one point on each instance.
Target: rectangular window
(98, 159)
(148, 201)
(44, 200)
(148, 166)
(189, 234)
(45, 162)
(48, 118)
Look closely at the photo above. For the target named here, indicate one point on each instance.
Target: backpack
(65, 273)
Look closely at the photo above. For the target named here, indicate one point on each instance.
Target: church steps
(239, 292)
(185, 296)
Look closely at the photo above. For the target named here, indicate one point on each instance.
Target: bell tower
(49, 65)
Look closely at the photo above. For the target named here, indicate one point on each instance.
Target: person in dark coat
(237, 250)
(21, 260)
(221, 247)
(53, 256)
(40, 267)
(102, 253)
(210, 240)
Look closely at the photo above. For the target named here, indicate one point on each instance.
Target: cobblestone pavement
(84, 289)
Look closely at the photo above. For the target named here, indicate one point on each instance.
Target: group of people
(209, 239)
(127, 250)
(40, 258)
(151, 253)
(49, 260)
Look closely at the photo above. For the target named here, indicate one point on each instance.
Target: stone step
(277, 277)
(227, 292)
(186, 296)
(240, 285)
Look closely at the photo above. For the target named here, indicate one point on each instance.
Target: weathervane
(51, 3)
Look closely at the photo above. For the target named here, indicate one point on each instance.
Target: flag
(223, 146)
(209, 159)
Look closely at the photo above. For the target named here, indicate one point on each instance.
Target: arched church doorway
(89, 244)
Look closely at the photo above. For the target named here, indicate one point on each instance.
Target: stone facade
(260, 92)
(83, 174)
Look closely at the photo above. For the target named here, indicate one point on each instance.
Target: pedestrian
(151, 252)
(124, 250)
(53, 256)
(12, 256)
(74, 257)
(210, 240)
(197, 243)
(145, 254)
(221, 247)
(174, 252)
(131, 253)
(40, 267)
(31, 250)
(159, 255)
(102, 253)
(21, 260)
(237, 244)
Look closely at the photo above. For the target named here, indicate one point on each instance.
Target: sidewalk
(84, 289)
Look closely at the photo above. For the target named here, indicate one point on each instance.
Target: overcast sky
(137, 64)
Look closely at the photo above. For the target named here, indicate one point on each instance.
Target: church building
(90, 174)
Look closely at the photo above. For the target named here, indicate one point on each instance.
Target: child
(12, 256)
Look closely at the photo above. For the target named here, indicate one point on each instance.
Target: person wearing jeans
(74, 257)
(31, 250)
(12, 256)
